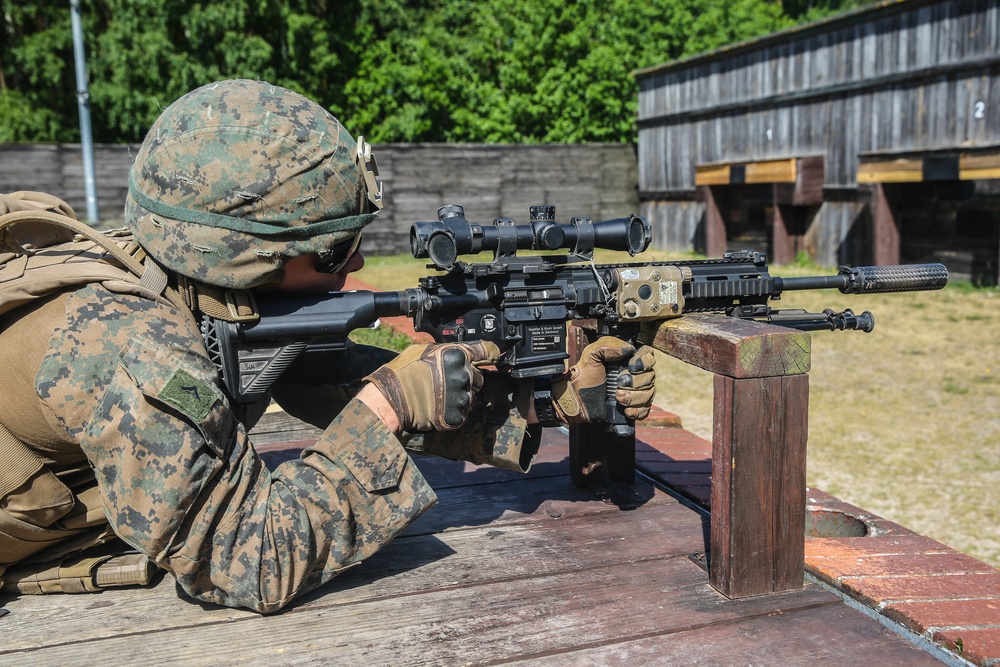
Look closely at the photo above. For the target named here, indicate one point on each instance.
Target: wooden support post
(885, 228)
(782, 242)
(758, 484)
(758, 447)
(596, 457)
(716, 242)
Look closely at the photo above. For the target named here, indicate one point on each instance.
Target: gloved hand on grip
(432, 387)
(580, 396)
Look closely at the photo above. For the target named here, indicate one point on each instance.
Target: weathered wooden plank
(712, 174)
(972, 166)
(504, 619)
(826, 635)
(406, 567)
(730, 346)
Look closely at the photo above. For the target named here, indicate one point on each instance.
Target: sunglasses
(336, 258)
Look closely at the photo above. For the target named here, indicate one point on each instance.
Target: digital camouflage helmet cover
(237, 177)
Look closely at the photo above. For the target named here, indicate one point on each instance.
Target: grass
(904, 422)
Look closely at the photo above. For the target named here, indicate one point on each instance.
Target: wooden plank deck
(506, 569)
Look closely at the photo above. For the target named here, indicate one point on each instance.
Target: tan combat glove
(580, 395)
(432, 387)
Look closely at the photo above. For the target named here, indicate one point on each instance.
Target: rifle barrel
(874, 279)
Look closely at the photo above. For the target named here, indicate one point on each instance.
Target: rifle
(523, 303)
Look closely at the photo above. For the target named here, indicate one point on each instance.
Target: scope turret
(452, 235)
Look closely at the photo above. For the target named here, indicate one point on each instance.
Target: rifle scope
(452, 236)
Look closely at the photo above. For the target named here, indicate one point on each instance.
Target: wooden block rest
(758, 446)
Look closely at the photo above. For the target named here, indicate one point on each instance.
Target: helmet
(237, 177)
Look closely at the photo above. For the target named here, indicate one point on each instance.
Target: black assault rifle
(523, 303)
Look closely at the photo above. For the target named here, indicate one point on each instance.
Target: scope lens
(441, 249)
(636, 236)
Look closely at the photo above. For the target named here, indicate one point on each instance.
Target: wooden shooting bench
(759, 446)
(532, 569)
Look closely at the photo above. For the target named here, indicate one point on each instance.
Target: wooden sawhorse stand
(758, 446)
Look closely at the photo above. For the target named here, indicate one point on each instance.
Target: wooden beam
(971, 167)
(782, 238)
(711, 174)
(900, 170)
(764, 171)
(731, 346)
(809, 181)
(758, 484)
(974, 167)
(772, 171)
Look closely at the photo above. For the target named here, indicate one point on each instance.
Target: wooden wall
(598, 180)
(58, 170)
(490, 181)
(905, 75)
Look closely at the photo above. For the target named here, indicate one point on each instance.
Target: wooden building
(870, 137)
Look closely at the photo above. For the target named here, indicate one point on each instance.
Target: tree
(394, 70)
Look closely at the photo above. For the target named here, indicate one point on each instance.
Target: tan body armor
(43, 516)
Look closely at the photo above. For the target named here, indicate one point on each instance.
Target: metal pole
(83, 103)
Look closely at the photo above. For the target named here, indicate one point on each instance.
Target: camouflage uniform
(103, 378)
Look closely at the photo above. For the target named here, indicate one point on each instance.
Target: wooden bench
(760, 421)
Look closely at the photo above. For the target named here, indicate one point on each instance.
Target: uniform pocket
(376, 465)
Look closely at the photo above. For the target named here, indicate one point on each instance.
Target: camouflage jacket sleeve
(129, 380)
(497, 433)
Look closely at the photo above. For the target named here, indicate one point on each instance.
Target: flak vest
(44, 524)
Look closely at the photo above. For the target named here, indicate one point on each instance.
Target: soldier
(117, 422)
